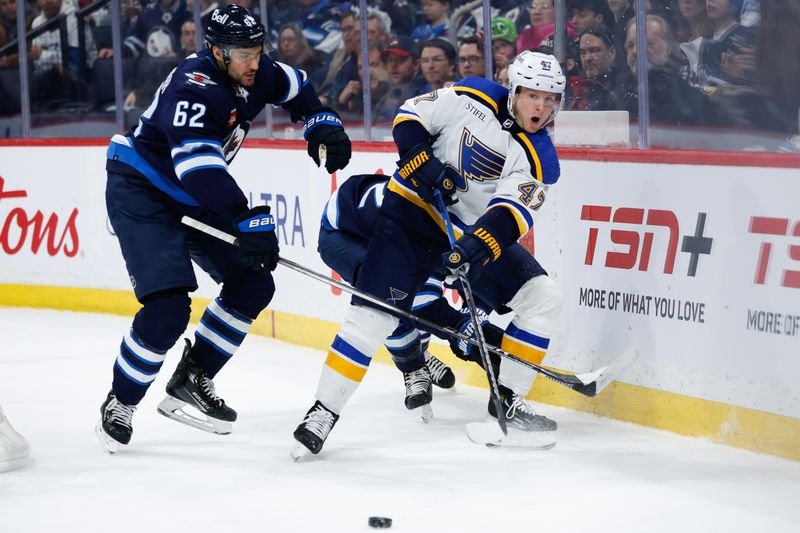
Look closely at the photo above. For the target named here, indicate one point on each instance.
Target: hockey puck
(379, 522)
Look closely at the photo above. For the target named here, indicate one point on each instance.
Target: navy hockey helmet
(234, 27)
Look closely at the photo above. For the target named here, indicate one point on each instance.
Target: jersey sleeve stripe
(188, 147)
(295, 81)
(405, 118)
(197, 162)
(532, 155)
(521, 214)
(412, 197)
(485, 98)
(331, 213)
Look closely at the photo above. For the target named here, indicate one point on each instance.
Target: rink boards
(694, 259)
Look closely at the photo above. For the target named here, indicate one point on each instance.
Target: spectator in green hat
(504, 38)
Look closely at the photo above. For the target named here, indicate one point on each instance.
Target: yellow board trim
(344, 367)
(523, 351)
(532, 150)
(721, 423)
(480, 94)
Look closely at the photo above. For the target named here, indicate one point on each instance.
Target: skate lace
(120, 413)
(319, 421)
(519, 404)
(417, 381)
(436, 367)
(208, 389)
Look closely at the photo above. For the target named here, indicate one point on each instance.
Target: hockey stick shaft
(582, 383)
(469, 299)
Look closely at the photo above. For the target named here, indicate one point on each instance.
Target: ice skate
(14, 448)
(441, 374)
(313, 430)
(526, 429)
(190, 387)
(114, 428)
(419, 392)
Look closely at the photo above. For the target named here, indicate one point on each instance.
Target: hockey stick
(469, 299)
(588, 384)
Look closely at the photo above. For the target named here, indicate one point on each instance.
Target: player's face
(244, 65)
(533, 108)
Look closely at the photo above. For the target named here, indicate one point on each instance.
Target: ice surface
(603, 476)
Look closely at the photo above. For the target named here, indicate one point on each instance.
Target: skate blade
(489, 434)
(425, 413)
(175, 409)
(300, 452)
(110, 446)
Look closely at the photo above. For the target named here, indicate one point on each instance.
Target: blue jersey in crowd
(196, 123)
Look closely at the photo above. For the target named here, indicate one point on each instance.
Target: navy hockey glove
(467, 351)
(427, 174)
(258, 244)
(323, 129)
(472, 252)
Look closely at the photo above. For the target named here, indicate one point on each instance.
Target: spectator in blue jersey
(158, 22)
(437, 14)
(320, 23)
(175, 164)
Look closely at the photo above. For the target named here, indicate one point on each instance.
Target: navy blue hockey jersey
(354, 207)
(196, 123)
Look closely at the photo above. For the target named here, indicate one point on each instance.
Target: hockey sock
(217, 337)
(156, 327)
(350, 354)
(404, 347)
(526, 345)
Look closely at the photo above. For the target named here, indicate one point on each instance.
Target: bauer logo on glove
(261, 222)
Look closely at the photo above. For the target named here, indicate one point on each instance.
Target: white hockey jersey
(493, 161)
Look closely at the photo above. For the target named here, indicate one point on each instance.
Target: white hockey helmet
(535, 70)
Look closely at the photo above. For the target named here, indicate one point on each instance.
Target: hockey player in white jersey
(485, 149)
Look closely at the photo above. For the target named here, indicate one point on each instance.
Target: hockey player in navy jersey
(485, 149)
(175, 163)
(348, 222)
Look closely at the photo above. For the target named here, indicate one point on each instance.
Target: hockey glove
(258, 244)
(427, 173)
(327, 139)
(472, 252)
(467, 351)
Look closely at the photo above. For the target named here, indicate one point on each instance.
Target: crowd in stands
(711, 63)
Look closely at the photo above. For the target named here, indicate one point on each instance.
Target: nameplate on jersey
(257, 223)
(199, 78)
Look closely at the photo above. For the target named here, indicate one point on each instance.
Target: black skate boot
(419, 392)
(114, 427)
(313, 430)
(519, 413)
(441, 374)
(191, 386)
